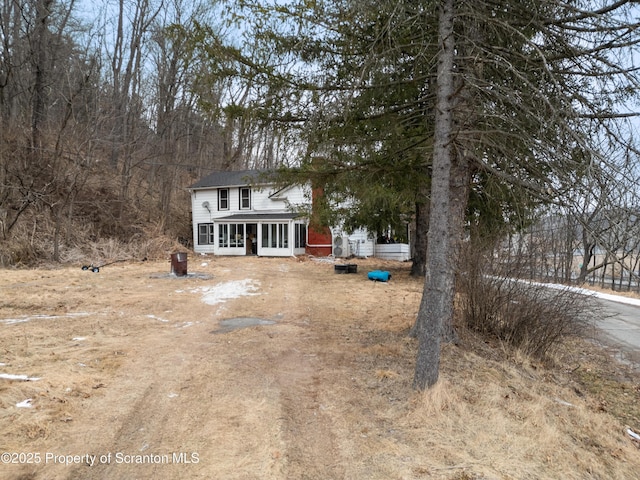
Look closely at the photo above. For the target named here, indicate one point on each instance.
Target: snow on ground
(25, 403)
(585, 291)
(10, 376)
(228, 290)
(10, 321)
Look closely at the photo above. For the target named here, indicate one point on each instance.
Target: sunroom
(267, 234)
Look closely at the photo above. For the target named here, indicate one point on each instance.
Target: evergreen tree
(475, 99)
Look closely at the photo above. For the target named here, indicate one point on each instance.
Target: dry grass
(504, 422)
(323, 393)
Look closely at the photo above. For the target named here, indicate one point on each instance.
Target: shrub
(531, 317)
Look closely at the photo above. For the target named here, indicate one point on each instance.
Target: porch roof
(258, 217)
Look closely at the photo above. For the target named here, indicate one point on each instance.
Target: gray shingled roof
(229, 179)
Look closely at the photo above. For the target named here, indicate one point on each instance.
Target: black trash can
(179, 264)
(341, 268)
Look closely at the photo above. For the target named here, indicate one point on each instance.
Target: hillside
(81, 214)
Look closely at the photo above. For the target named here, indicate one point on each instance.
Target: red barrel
(179, 264)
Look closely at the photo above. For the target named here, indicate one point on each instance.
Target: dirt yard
(134, 373)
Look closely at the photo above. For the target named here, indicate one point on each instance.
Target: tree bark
(38, 113)
(460, 177)
(419, 265)
(436, 306)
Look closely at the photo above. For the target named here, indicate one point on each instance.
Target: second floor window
(245, 198)
(223, 199)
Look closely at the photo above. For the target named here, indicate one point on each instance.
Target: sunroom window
(231, 235)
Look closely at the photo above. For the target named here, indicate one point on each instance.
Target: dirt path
(236, 403)
(137, 375)
(185, 398)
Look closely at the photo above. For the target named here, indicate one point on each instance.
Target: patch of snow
(172, 395)
(25, 403)
(78, 339)
(614, 298)
(3, 364)
(633, 434)
(23, 319)
(158, 318)
(204, 264)
(584, 291)
(323, 259)
(563, 402)
(229, 290)
(10, 376)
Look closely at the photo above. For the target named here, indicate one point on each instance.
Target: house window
(205, 234)
(301, 235)
(223, 199)
(275, 235)
(231, 235)
(245, 198)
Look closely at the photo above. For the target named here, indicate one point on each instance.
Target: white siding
(287, 199)
(275, 252)
(267, 199)
(360, 244)
(393, 251)
(201, 215)
(297, 195)
(263, 201)
(260, 202)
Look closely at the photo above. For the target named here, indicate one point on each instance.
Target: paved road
(621, 329)
(617, 323)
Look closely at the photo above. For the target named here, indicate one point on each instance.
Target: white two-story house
(241, 213)
(237, 213)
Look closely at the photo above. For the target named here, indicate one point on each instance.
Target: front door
(252, 239)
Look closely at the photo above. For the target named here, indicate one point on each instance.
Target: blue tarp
(379, 276)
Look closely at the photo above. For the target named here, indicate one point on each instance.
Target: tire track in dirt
(250, 403)
(311, 444)
(312, 450)
(143, 412)
(249, 408)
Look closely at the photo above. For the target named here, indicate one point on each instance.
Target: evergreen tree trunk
(459, 196)
(436, 307)
(419, 265)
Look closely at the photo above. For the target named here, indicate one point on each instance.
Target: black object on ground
(346, 268)
(96, 268)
